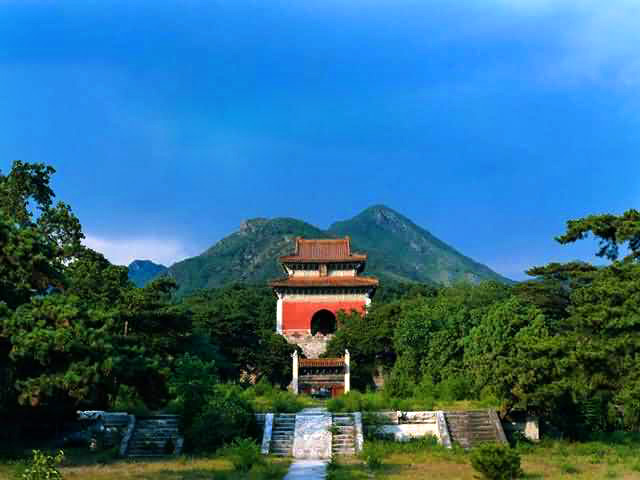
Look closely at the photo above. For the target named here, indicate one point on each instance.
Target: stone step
(158, 423)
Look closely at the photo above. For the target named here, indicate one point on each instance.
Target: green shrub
(129, 400)
(268, 471)
(454, 388)
(244, 453)
(44, 466)
(569, 468)
(400, 383)
(263, 387)
(266, 398)
(373, 424)
(373, 454)
(496, 462)
(192, 384)
(226, 416)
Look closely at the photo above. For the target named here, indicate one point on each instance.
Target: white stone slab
(407, 431)
(307, 470)
(416, 417)
(312, 438)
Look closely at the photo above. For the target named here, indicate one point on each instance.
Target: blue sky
(489, 123)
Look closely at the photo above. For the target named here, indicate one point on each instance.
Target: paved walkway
(307, 470)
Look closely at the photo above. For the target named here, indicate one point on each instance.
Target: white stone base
(312, 438)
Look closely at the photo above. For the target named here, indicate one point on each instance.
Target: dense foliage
(76, 333)
(44, 466)
(565, 345)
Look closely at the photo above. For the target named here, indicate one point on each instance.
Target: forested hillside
(399, 251)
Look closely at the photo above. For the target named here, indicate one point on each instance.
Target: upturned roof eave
(354, 258)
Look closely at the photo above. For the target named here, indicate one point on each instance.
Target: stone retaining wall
(403, 426)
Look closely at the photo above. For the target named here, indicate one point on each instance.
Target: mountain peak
(382, 215)
(142, 264)
(143, 271)
(252, 224)
(398, 250)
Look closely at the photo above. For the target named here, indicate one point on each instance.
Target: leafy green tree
(191, 383)
(369, 340)
(612, 231)
(595, 345)
(605, 321)
(512, 353)
(26, 200)
(59, 346)
(550, 295)
(240, 320)
(431, 331)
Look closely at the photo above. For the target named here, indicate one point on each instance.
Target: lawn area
(355, 401)
(79, 466)
(552, 460)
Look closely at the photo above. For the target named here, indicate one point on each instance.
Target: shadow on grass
(186, 474)
(532, 476)
(271, 471)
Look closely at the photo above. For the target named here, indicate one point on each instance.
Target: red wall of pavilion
(297, 315)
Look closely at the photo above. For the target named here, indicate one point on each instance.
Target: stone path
(315, 430)
(307, 470)
(312, 437)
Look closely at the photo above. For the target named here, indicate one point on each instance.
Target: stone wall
(403, 426)
(312, 345)
(529, 428)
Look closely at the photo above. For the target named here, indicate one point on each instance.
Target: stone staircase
(155, 436)
(343, 441)
(469, 429)
(282, 434)
(115, 426)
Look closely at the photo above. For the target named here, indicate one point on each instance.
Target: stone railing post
(347, 371)
(357, 419)
(266, 436)
(124, 443)
(443, 429)
(294, 382)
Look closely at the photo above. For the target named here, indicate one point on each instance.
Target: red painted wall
(297, 315)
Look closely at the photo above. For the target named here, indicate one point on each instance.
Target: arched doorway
(324, 322)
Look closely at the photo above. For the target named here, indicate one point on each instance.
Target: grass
(355, 401)
(550, 460)
(266, 398)
(81, 465)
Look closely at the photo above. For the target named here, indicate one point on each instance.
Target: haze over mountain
(398, 250)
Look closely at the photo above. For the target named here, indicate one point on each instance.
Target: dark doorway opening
(324, 322)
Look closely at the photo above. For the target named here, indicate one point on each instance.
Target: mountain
(143, 271)
(249, 255)
(401, 250)
(398, 249)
